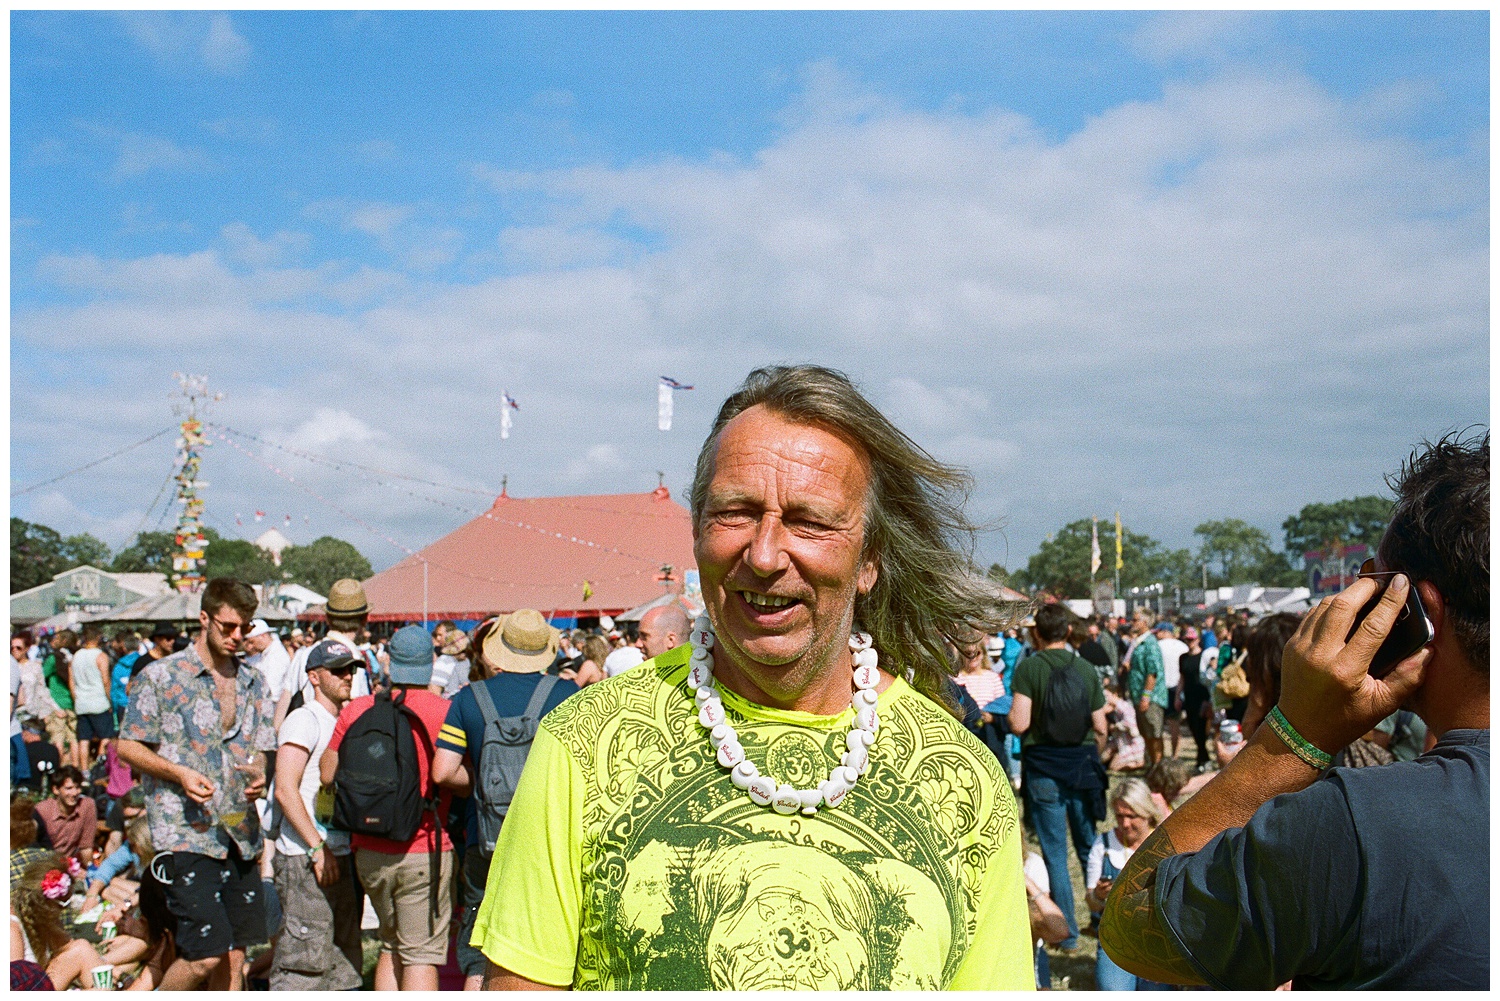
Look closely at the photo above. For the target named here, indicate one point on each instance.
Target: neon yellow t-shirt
(629, 861)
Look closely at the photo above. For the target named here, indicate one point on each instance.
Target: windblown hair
(929, 595)
(41, 919)
(1440, 533)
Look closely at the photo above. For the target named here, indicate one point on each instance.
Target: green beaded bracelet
(1298, 743)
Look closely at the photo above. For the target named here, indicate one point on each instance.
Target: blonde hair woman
(1136, 816)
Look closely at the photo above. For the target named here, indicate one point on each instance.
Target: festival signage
(1331, 570)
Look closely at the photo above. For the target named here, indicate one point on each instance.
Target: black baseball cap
(331, 654)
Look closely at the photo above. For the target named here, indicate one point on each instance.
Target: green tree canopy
(242, 560)
(36, 554)
(1061, 563)
(322, 562)
(39, 553)
(149, 552)
(80, 549)
(1346, 522)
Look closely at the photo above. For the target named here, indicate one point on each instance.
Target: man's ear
(869, 573)
(1433, 603)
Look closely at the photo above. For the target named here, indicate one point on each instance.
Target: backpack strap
(539, 696)
(487, 710)
(434, 853)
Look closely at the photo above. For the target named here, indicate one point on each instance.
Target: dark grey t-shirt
(1368, 878)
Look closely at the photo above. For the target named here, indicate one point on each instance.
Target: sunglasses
(339, 672)
(231, 628)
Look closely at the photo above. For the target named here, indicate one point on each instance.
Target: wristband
(1298, 743)
(315, 848)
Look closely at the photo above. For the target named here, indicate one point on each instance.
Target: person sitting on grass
(141, 920)
(36, 929)
(1136, 816)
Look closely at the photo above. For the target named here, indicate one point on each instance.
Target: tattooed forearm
(1131, 933)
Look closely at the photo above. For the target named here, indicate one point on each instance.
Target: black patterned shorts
(218, 904)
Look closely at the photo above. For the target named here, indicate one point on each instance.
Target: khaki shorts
(400, 890)
(1152, 721)
(62, 728)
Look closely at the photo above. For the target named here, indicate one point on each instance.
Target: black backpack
(378, 785)
(1065, 718)
(502, 755)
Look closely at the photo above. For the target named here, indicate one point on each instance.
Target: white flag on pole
(663, 407)
(507, 404)
(664, 402)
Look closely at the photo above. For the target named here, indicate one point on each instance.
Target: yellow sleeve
(528, 922)
(999, 956)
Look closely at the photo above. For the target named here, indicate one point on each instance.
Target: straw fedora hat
(525, 644)
(347, 598)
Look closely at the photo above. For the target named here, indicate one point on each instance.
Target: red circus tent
(566, 557)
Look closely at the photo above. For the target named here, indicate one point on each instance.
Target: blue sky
(1168, 263)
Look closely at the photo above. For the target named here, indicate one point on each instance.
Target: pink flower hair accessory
(56, 885)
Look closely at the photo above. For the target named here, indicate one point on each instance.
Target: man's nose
(766, 554)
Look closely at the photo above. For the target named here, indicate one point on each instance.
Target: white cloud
(189, 38)
(1200, 34)
(244, 247)
(1199, 302)
(224, 49)
(142, 154)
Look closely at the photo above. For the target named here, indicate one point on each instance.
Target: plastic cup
(107, 931)
(104, 977)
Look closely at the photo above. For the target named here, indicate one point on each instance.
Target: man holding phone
(1367, 878)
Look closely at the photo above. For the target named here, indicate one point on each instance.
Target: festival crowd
(1252, 801)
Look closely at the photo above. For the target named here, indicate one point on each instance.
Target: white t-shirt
(274, 665)
(1172, 650)
(621, 660)
(1105, 844)
(309, 726)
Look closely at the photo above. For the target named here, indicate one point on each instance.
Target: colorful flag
(668, 380)
(237, 519)
(259, 515)
(1094, 550)
(1119, 545)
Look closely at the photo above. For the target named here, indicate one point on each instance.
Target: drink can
(107, 931)
(104, 977)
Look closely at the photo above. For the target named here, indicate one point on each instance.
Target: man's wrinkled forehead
(807, 463)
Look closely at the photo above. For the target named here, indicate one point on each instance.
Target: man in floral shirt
(197, 727)
(1148, 685)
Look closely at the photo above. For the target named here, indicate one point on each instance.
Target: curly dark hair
(1440, 532)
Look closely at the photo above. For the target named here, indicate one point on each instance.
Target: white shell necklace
(762, 789)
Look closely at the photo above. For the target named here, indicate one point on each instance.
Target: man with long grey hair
(786, 800)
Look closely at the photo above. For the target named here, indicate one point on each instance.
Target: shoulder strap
(486, 704)
(539, 697)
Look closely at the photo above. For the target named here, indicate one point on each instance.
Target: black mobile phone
(1412, 631)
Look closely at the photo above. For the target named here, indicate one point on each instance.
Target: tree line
(38, 553)
(1231, 551)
